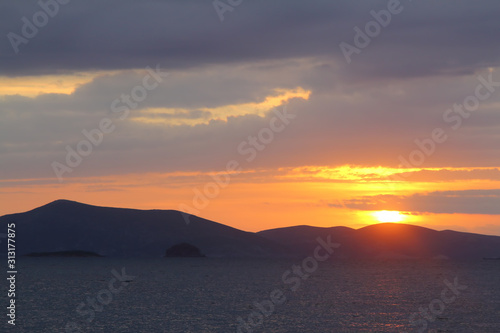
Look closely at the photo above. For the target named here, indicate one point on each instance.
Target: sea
(259, 295)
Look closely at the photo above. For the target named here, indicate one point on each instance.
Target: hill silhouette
(65, 225)
(390, 240)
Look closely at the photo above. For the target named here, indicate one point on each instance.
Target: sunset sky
(282, 113)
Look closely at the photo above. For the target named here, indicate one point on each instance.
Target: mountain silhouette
(65, 225)
(390, 240)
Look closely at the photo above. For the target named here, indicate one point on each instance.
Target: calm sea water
(208, 295)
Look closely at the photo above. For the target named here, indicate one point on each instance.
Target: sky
(256, 114)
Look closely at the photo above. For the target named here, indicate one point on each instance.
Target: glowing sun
(388, 216)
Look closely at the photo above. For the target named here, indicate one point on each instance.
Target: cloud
(438, 202)
(361, 124)
(452, 37)
(221, 75)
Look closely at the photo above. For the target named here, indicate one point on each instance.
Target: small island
(183, 250)
(74, 253)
